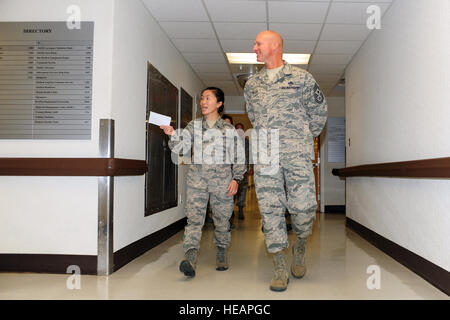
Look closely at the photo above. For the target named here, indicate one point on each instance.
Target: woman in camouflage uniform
(216, 181)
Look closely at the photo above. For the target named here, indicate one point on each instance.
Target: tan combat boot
(298, 267)
(280, 278)
(187, 266)
(221, 259)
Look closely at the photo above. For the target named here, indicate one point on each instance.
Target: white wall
(397, 109)
(138, 39)
(332, 187)
(57, 215)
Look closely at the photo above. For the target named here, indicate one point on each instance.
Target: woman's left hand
(232, 188)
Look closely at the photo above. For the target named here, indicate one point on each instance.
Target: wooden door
(316, 165)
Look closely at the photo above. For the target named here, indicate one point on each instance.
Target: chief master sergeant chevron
(287, 99)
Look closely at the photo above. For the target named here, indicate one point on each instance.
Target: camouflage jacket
(292, 102)
(205, 142)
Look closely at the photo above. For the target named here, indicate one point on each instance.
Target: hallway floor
(337, 262)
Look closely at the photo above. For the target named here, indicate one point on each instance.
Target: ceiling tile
(380, 1)
(197, 45)
(214, 76)
(176, 10)
(237, 45)
(297, 12)
(236, 11)
(352, 13)
(298, 46)
(210, 67)
(327, 68)
(188, 30)
(204, 57)
(228, 30)
(294, 31)
(338, 47)
(344, 32)
(331, 59)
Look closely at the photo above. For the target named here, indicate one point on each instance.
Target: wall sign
(336, 140)
(45, 80)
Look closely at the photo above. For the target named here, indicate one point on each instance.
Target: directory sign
(45, 80)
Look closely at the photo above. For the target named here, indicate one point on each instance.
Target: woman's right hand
(168, 130)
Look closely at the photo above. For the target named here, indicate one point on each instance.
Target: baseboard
(47, 263)
(134, 250)
(58, 263)
(437, 276)
(335, 209)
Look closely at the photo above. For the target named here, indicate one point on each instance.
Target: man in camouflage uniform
(285, 98)
(208, 178)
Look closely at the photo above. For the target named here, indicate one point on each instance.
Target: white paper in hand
(159, 119)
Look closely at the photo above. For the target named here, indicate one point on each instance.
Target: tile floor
(337, 261)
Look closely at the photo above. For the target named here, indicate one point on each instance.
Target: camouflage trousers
(200, 189)
(292, 187)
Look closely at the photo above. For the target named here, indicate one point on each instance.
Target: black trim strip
(137, 248)
(437, 276)
(335, 209)
(58, 263)
(47, 263)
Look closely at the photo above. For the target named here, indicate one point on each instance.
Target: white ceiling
(203, 30)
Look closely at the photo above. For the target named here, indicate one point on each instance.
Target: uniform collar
(285, 71)
(219, 124)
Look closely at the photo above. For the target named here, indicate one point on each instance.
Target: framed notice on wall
(45, 80)
(336, 140)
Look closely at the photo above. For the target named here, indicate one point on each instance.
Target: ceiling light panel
(250, 58)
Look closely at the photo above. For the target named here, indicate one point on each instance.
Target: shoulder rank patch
(318, 95)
